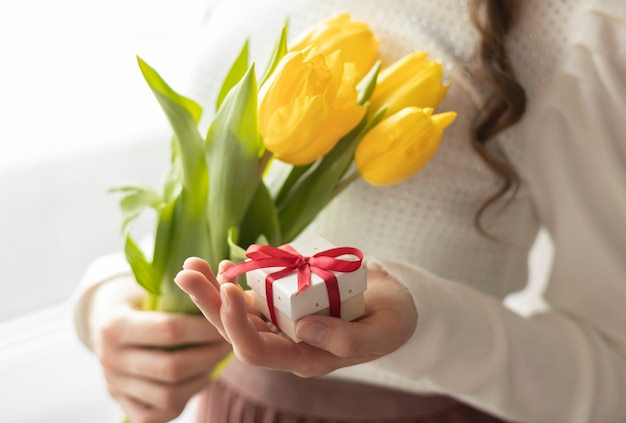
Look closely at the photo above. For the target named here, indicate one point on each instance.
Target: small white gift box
(290, 300)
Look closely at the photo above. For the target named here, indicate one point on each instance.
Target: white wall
(76, 118)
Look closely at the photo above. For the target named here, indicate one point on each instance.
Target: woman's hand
(330, 343)
(146, 370)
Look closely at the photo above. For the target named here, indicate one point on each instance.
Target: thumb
(203, 292)
(339, 337)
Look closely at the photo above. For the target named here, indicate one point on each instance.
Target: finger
(155, 395)
(156, 329)
(390, 318)
(344, 339)
(152, 398)
(239, 329)
(170, 366)
(203, 293)
(202, 266)
(225, 264)
(253, 342)
(268, 349)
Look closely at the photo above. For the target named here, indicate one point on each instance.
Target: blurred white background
(76, 118)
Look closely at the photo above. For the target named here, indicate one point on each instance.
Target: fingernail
(177, 282)
(311, 332)
(224, 297)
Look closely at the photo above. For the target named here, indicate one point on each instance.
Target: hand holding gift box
(309, 276)
(281, 146)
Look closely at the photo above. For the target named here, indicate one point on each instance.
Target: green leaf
(368, 84)
(182, 227)
(158, 85)
(141, 267)
(279, 51)
(179, 236)
(236, 72)
(373, 122)
(237, 254)
(163, 238)
(183, 115)
(232, 149)
(173, 181)
(287, 185)
(137, 198)
(261, 219)
(315, 188)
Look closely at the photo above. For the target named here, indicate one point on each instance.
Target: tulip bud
(413, 81)
(307, 105)
(400, 145)
(355, 39)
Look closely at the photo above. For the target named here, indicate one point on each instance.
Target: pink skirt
(246, 394)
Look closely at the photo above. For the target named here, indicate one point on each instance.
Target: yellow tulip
(355, 39)
(411, 81)
(400, 145)
(307, 105)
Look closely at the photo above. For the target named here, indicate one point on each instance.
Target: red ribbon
(322, 264)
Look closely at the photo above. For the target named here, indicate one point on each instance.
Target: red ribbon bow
(322, 264)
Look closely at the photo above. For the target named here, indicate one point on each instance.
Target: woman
(443, 249)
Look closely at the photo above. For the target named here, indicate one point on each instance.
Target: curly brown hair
(506, 103)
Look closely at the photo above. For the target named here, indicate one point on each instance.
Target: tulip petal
(355, 39)
(388, 133)
(294, 126)
(400, 145)
(337, 124)
(442, 120)
(413, 81)
(398, 72)
(329, 75)
(399, 165)
(307, 105)
(286, 83)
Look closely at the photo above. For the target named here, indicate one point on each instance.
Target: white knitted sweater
(567, 364)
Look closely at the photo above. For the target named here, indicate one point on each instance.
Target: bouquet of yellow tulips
(280, 147)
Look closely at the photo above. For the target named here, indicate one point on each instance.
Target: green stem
(344, 184)
(267, 155)
(150, 302)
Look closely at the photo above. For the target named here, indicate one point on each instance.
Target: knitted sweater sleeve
(567, 363)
